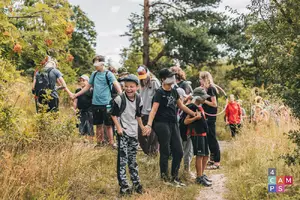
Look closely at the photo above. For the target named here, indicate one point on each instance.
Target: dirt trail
(218, 189)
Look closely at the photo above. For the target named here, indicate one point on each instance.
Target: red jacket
(233, 113)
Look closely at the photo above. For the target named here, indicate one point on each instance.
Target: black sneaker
(138, 189)
(200, 180)
(125, 191)
(206, 178)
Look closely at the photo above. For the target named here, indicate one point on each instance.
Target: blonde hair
(208, 80)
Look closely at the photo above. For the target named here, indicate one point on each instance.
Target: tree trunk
(146, 46)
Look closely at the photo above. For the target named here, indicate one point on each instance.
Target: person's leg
(213, 143)
(132, 164)
(232, 129)
(177, 151)
(122, 162)
(164, 135)
(204, 163)
(98, 121)
(108, 125)
(143, 140)
(199, 165)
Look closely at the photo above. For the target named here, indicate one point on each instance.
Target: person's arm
(188, 120)
(118, 125)
(152, 114)
(75, 102)
(185, 109)
(141, 125)
(117, 87)
(61, 82)
(81, 92)
(212, 103)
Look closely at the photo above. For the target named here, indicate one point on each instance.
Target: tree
(83, 41)
(32, 29)
(187, 31)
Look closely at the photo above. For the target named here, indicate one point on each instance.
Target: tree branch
(167, 4)
(155, 30)
(288, 19)
(159, 56)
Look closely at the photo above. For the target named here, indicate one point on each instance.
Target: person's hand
(227, 122)
(198, 116)
(144, 130)
(73, 96)
(147, 130)
(33, 91)
(120, 131)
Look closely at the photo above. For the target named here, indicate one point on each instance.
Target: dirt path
(218, 189)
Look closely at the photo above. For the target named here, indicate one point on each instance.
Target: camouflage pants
(127, 150)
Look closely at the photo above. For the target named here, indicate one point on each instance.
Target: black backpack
(43, 83)
(123, 104)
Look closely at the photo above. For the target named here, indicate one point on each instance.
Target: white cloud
(114, 33)
(115, 9)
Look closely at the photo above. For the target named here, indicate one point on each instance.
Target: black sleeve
(211, 91)
(157, 97)
(115, 110)
(139, 111)
(176, 95)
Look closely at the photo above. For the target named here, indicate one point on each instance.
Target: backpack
(43, 83)
(123, 103)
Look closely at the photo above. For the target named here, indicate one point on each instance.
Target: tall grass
(250, 155)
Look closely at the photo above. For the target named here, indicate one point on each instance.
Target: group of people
(162, 114)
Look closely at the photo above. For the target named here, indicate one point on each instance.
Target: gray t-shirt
(128, 117)
(53, 76)
(147, 94)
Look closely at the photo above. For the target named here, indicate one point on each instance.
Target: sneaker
(200, 180)
(125, 191)
(138, 189)
(206, 178)
(178, 182)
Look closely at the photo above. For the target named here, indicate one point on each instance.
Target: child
(127, 107)
(84, 104)
(163, 116)
(197, 128)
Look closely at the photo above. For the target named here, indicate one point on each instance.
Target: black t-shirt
(167, 110)
(185, 86)
(200, 125)
(208, 109)
(84, 101)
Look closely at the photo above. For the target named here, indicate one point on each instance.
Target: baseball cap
(122, 71)
(85, 77)
(131, 78)
(142, 72)
(165, 73)
(200, 92)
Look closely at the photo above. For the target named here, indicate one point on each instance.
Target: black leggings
(234, 128)
(213, 144)
(169, 139)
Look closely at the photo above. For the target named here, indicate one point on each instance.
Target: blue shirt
(101, 91)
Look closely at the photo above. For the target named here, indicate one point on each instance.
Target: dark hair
(99, 58)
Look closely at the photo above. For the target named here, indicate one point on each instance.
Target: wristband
(149, 125)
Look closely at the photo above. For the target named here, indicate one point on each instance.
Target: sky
(111, 20)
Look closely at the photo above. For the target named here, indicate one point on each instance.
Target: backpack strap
(94, 77)
(202, 111)
(123, 103)
(49, 81)
(138, 102)
(107, 81)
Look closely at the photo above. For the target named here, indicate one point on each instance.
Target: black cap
(165, 73)
(131, 78)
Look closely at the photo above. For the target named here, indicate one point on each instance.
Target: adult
(101, 80)
(149, 85)
(164, 120)
(233, 115)
(46, 79)
(185, 90)
(210, 107)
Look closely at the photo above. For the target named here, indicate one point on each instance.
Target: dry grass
(78, 172)
(251, 154)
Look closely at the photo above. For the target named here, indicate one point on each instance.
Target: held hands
(146, 130)
(198, 115)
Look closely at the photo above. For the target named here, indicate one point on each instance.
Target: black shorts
(200, 145)
(86, 123)
(101, 116)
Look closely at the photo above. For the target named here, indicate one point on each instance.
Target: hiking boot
(201, 180)
(206, 178)
(125, 191)
(178, 182)
(138, 189)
